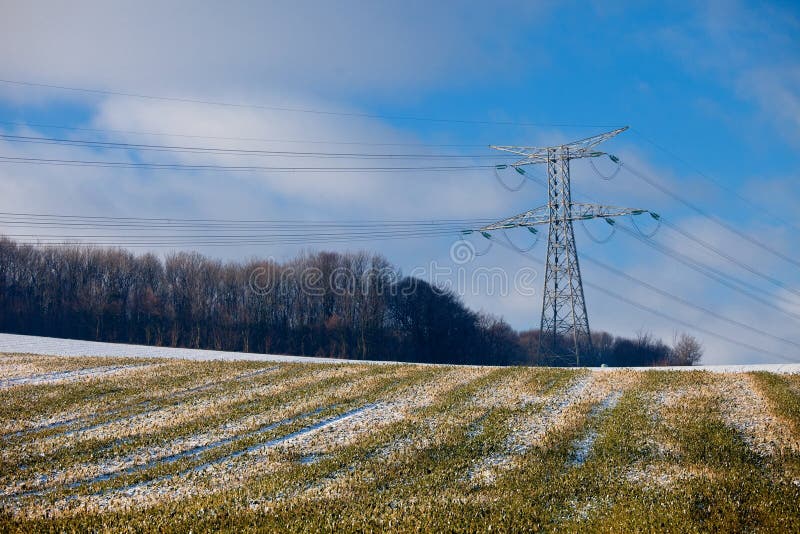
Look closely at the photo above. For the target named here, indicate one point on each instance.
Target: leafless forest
(354, 305)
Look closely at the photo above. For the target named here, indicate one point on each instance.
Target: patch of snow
(48, 346)
(256, 448)
(583, 448)
(63, 376)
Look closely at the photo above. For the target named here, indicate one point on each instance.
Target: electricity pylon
(563, 306)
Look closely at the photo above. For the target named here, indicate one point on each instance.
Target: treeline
(323, 304)
(354, 305)
(642, 351)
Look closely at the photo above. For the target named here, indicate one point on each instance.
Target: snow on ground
(528, 431)
(583, 448)
(293, 433)
(746, 409)
(63, 376)
(48, 346)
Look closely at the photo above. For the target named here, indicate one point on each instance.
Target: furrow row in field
(184, 481)
(402, 408)
(240, 438)
(435, 446)
(583, 448)
(257, 448)
(180, 394)
(745, 409)
(168, 436)
(14, 366)
(528, 427)
(232, 396)
(195, 451)
(31, 406)
(176, 400)
(63, 376)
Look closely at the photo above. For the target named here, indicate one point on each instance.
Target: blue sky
(717, 84)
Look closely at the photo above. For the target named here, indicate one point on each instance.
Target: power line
(224, 138)
(704, 269)
(725, 279)
(296, 110)
(691, 326)
(124, 226)
(289, 234)
(243, 221)
(206, 227)
(273, 234)
(204, 244)
(760, 207)
(229, 168)
(177, 242)
(685, 302)
(713, 218)
(735, 283)
(128, 230)
(709, 246)
(772, 280)
(661, 314)
(182, 230)
(229, 151)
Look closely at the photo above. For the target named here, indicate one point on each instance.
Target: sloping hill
(178, 445)
(50, 346)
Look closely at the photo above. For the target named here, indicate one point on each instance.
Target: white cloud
(197, 48)
(245, 195)
(776, 90)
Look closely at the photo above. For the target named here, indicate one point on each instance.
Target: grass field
(104, 444)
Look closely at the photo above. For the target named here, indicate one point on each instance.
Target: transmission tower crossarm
(536, 216)
(580, 211)
(593, 141)
(583, 148)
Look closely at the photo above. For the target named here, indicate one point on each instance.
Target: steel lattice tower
(564, 314)
(563, 304)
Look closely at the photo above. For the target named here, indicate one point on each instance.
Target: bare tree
(353, 305)
(686, 349)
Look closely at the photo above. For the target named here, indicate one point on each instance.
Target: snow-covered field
(178, 440)
(13, 343)
(50, 346)
(150, 443)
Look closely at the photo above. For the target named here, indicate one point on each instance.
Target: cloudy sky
(711, 92)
